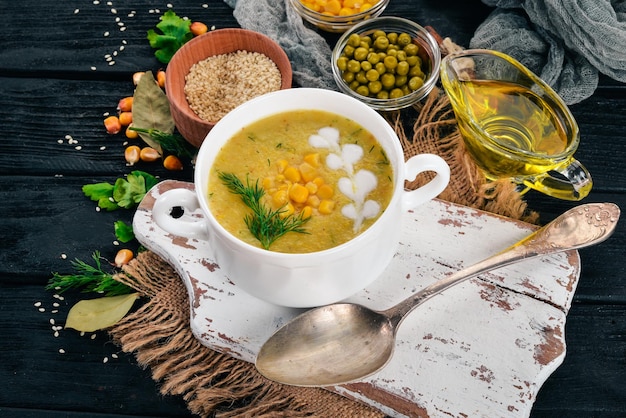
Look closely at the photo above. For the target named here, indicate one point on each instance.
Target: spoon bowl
(344, 342)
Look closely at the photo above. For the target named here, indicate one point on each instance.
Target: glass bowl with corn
(338, 15)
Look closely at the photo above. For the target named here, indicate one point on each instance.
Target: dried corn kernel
(160, 78)
(172, 163)
(130, 134)
(123, 257)
(125, 104)
(126, 118)
(149, 154)
(137, 76)
(112, 125)
(198, 28)
(132, 154)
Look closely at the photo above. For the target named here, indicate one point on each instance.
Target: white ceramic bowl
(318, 278)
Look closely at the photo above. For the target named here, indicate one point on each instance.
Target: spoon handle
(579, 227)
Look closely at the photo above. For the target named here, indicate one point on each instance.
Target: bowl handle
(419, 164)
(190, 224)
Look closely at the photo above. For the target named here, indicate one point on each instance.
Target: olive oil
(509, 129)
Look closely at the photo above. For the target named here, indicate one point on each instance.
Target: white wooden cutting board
(481, 349)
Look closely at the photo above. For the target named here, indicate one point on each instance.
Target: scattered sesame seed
(117, 19)
(93, 68)
(97, 208)
(51, 321)
(78, 148)
(111, 62)
(120, 24)
(37, 304)
(114, 11)
(109, 3)
(122, 48)
(61, 351)
(105, 360)
(115, 53)
(61, 297)
(56, 334)
(102, 148)
(63, 256)
(76, 11)
(93, 336)
(124, 42)
(213, 27)
(123, 28)
(116, 242)
(170, 5)
(82, 333)
(105, 114)
(60, 141)
(114, 355)
(96, 2)
(206, 6)
(54, 311)
(106, 34)
(42, 309)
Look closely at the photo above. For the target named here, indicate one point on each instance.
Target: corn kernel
(326, 206)
(318, 181)
(280, 198)
(313, 159)
(298, 193)
(292, 174)
(267, 183)
(172, 163)
(281, 165)
(125, 104)
(126, 118)
(325, 191)
(149, 154)
(132, 154)
(161, 78)
(306, 212)
(130, 134)
(313, 201)
(332, 7)
(137, 76)
(198, 28)
(311, 187)
(287, 210)
(123, 257)
(112, 125)
(307, 172)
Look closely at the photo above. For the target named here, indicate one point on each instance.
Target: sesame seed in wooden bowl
(215, 72)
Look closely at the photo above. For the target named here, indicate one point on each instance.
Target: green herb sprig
(88, 278)
(265, 224)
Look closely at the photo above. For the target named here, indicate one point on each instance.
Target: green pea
(366, 40)
(415, 83)
(342, 63)
(373, 58)
(396, 93)
(372, 75)
(360, 77)
(416, 71)
(411, 49)
(366, 66)
(354, 66)
(388, 81)
(375, 86)
(381, 43)
(400, 80)
(348, 51)
(383, 95)
(390, 62)
(354, 85)
(402, 68)
(392, 37)
(378, 33)
(401, 55)
(347, 76)
(354, 40)
(380, 67)
(404, 39)
(413, 60)
(360, 54)
(363, 90)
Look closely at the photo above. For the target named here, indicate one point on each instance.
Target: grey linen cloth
(567, 43)
(308, 52)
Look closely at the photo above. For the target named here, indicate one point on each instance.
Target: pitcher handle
(572, 183)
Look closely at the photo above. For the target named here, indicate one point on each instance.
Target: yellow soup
(319, 171)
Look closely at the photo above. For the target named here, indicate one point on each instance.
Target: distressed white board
(481, 349)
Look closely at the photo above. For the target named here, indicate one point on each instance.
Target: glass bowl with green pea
(389, 62)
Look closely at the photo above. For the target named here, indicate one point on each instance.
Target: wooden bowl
(222, 41)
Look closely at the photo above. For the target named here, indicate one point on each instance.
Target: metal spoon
(343, 342)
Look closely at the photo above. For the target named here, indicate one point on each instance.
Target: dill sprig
(89, 278)
(171, 143)
(265, 224)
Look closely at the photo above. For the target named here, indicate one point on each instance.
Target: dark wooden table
(53, 141)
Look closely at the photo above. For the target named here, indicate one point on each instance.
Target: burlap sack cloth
(214, 384)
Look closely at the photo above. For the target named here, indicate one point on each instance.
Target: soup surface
(314, 166)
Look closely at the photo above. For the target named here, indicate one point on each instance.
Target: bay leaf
(151, 109)
(96, 314)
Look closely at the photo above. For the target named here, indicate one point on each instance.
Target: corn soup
(313, 165)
